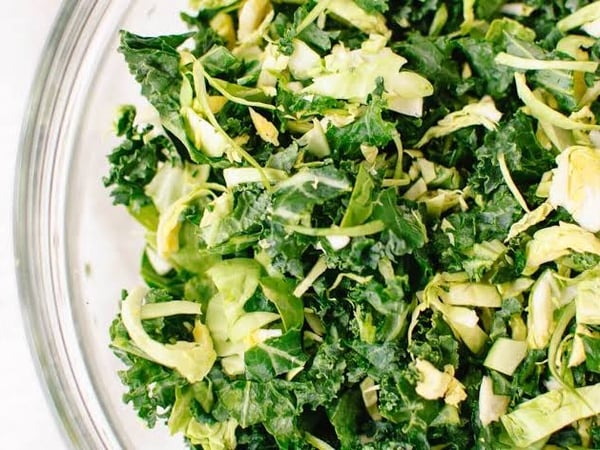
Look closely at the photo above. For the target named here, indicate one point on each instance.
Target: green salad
(370, 224)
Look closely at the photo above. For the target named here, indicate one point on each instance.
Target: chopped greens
(369, 225)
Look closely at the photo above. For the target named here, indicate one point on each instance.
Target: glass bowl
(75, 251)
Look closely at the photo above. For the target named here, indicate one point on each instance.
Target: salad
(369, 225)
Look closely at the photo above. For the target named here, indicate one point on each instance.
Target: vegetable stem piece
(517, 62)
(373, 227)
(543, 112)
(510, 183)
(580, 17)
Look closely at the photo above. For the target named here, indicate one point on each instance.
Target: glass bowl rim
(60, 368)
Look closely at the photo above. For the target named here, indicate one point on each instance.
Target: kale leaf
(154, 62)
(134, 162)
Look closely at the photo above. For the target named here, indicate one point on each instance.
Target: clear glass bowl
(75, 251)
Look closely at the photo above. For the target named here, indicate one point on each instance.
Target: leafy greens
(369, 224)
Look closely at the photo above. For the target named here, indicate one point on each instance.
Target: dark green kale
(488, 77)
(525, 157)
(374, 6)
(154, 62)
(348, 314)
(134, 162)
(451, 246)
(369, 129)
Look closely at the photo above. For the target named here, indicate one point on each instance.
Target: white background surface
(26, 419)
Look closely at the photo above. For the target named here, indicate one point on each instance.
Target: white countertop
(26, 419)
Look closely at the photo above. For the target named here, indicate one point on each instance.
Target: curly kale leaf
(254, 402)
(525, 158)
(134, 162)
(405, 231)
(369, 129)
(154, 62)
(434, 341)
(450, 245)
(374, 6)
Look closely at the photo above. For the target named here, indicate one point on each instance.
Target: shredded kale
(369, 225)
